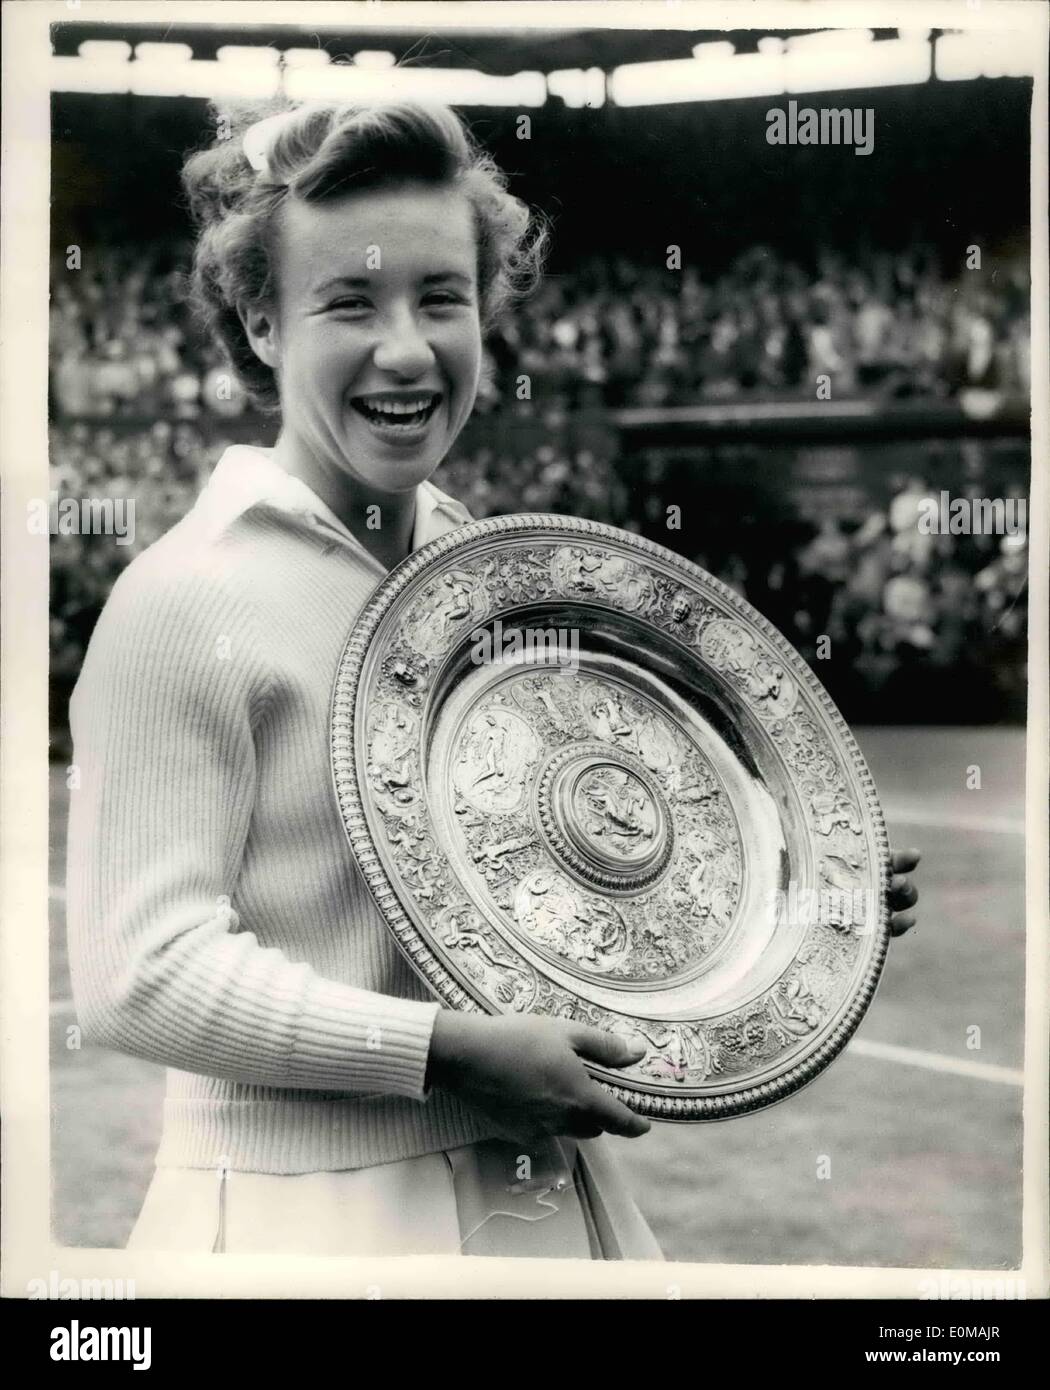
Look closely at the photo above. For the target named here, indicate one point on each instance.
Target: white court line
(937, 1061)
(981, 825)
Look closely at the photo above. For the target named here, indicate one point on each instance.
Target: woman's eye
(441, 299)
(349, 305)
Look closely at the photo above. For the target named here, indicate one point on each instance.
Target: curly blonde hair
(327, 151)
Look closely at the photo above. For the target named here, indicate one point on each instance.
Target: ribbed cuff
(355, 1040)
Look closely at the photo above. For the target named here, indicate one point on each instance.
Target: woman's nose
(403, 349)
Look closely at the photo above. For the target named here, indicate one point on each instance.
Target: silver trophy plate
(584, 778)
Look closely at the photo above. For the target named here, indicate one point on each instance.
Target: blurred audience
(913, 619)
(876, 323)
(916, 627)
(142, 407)
(611, 333)
(162, 469)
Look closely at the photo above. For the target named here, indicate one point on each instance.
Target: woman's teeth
(396, 413)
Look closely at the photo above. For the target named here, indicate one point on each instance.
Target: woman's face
(377, 338)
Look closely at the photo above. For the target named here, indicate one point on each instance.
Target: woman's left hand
(902, 893)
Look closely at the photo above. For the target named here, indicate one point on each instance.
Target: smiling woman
(378, 371)
(318, 1100)
(348, 261)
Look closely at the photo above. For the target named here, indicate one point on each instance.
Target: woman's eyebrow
(360, 282)
(354, 282)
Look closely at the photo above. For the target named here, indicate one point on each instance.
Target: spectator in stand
(1001, 585)
(872, 328)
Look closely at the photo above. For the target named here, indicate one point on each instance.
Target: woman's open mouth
(398, 419)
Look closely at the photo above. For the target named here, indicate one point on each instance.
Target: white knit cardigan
(218, 922)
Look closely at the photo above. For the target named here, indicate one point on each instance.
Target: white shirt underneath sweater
(218, 922)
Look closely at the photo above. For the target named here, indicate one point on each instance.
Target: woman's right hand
(525, 1073)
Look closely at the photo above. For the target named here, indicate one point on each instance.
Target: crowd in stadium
(613, 333)
(903, 610)
(923, 626)
(140, 401)
(637, 336)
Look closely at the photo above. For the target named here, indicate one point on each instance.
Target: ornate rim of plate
(668, 832)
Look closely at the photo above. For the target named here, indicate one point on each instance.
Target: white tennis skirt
(566, 1200)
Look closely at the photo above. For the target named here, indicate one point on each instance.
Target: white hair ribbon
(258, 139)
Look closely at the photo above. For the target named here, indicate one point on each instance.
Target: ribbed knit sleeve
(162, 967)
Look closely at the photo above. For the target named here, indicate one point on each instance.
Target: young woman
(318, 1100)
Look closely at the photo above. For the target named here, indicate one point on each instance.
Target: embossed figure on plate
(392, 762)
(495, 756)
(597, 573)
(485, 958)
(452, 602)
(680, 1054)
(833, 810)
(616, 812)
(586, 931)
(730, 649)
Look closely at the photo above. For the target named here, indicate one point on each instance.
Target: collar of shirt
(246, 477)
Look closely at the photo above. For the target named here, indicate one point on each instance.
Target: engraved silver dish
(584, 778)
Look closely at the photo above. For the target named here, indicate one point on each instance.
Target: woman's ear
(260, 327)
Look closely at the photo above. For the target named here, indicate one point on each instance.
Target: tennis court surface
(906, 1152)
